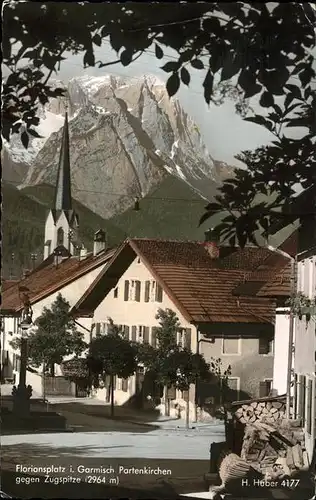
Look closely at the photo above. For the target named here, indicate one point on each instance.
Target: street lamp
(206, 341)
(22, 393)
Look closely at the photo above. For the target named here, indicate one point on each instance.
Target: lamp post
(206, 341)
(22, 393)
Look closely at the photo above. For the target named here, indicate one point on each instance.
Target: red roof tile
(5, 284)
(50, 278)
(201, 287)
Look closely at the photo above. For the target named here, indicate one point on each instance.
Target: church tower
(62, 223)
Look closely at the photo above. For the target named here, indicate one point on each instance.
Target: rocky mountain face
(126, 137)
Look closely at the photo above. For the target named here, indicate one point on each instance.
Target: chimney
(99, 242)
(211, 243)
(82, 252)
(58, 257)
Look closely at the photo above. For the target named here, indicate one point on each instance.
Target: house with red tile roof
(197, 280)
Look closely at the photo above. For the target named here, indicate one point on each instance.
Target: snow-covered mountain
(126, 136)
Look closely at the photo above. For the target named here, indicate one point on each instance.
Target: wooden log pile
(270, 411)
(276, 450)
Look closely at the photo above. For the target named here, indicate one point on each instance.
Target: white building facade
(133, 304)
(305, 353)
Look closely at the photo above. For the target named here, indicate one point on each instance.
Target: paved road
(168, 442)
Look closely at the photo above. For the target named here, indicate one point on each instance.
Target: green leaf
(306, 76)
(260, 120)
(25, 139)
(158, 51)
(231, 66)
(197, 64)
(266, 100)
(170, 66)
(97, 40)
(173, 84)
(208, 86)
(34, 133)
(126, 57)
(88, 59)
(185, 76)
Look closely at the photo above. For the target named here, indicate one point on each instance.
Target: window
(158, 293)
(115, 292)
(134, 332)
(234, 386)
(303, 397)
(265, 345)
(265, 388)
(132, 290)
(5, 357)
(97, 329)
(231, 346)
(147, 291)
(125, 329)
(309, 416)
(154, 336)
(143, 333)
(16, 362)
(126, 290)
(60, 236)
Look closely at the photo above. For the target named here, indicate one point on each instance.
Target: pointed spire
(63, 186)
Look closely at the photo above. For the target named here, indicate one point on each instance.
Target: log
(289, 458)
(242, 420)
(277, 404)
(253, 418)
(282, 461)
(305, 460)
(273, 410)
(254, 404)
(268, 406)
(297, 456)
(283, 438)
(245, 407)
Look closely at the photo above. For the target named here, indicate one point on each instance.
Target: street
(159, 456)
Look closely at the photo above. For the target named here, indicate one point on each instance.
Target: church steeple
(62, 223)
(63, 186)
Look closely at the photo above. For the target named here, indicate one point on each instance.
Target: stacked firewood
(270, 411)
(276, 450)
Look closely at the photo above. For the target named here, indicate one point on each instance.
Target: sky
(224, 132)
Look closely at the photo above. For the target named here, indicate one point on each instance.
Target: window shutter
(125, 384)
(147, 291)
(126, 331)
(309, 407)
(134, 331)
(97, 329)
(126, 290)
(263, 345)
(187, 339)
(263, 389)
(158, 296)
(137, 291)
(154, 336)
(146, 334)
